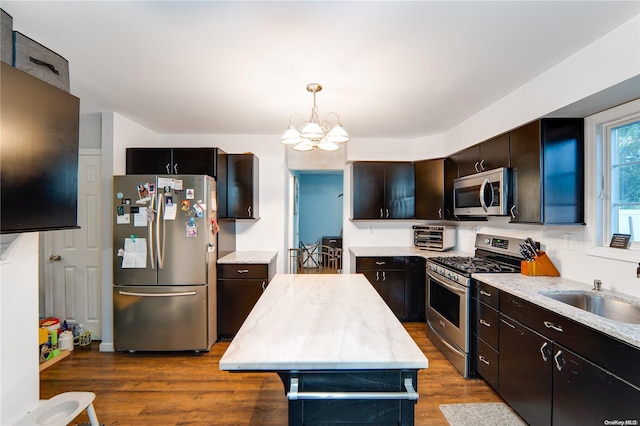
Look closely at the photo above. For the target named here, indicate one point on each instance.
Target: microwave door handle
(483, 202)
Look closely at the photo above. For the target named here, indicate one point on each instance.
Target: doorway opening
(317, 216)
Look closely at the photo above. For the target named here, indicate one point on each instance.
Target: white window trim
(594, 178)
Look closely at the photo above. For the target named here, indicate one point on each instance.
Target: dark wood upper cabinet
(434, 188)
(383, 190)
(38, 154)
(176, 161)
(468, 160)
(547, 160)
(490, 154)
(143, 161)
(242, 186)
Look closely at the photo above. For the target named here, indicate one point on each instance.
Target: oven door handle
(456, 288)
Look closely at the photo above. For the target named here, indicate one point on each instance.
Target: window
(620, 194)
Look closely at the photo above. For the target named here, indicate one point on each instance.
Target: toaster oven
(434, 237)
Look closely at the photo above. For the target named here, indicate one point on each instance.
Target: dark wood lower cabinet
(237, 298)
(584, 393)
(524, 375)
(547, 371)
(390, 285)
(400, 281)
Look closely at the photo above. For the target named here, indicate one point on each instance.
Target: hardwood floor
(189, 389)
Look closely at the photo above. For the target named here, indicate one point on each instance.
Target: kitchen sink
(602, 305)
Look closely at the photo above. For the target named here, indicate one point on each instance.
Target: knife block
(540, 266)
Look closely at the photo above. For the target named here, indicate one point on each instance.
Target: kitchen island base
(379, 397)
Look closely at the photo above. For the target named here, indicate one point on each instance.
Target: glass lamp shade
(291, 136)
(326, 145)
(311, 130)
(338, 135)
(307, 145)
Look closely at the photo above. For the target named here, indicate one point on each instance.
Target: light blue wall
(320, 205)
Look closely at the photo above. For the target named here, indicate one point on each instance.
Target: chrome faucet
(597, 285)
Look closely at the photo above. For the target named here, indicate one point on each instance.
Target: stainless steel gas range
(448, 293)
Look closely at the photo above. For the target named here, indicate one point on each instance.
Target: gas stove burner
(473, 264)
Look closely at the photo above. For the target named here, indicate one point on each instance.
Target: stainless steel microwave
(483, 194)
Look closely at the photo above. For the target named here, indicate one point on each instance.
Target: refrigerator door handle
(133, 293)
(160, 247)
(150, 232)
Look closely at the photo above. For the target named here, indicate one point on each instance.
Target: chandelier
(314, 133)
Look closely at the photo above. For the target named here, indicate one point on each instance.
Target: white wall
(19, 365)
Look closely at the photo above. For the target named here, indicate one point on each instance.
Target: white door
(72, 278)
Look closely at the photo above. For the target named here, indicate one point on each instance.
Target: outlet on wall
(568, 241)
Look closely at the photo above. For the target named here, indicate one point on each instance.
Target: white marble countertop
(403, 251)
(529, 288)
(249, 257)
(321, 321)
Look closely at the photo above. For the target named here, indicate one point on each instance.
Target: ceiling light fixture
(313, 133)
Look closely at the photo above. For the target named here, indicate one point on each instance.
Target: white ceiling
(389, 68)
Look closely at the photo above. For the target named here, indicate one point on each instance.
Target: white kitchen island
(341, 353)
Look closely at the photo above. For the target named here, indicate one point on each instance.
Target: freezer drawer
(163, 318)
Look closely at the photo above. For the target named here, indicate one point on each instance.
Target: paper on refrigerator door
(140, 218)
(135, 253)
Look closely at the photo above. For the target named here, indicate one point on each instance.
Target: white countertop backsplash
(321, 321)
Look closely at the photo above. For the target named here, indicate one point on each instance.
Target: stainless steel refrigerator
(165, 247)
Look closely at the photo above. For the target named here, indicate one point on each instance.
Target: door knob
(55, 258)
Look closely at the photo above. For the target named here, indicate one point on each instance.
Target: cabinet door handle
(484, 293)
(483, 359)
(168, 167)
(552, 326)
(381, 213)
(512, 210)
(440, 213)
(543, 352)
(485, 323)
(475, 166)
(482, 165)
(384, 276)
(243, 271)
(559, 360)
(249, 211)
(264, 285)
(387, 213)
(175, 169)
(377, 276)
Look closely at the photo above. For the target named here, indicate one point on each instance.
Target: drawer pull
(484, 293)
(483, 359)
(243, 271)
(380, 263)
(485, 323)
(552, 326)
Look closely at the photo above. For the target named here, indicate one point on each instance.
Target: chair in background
(315, 259)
